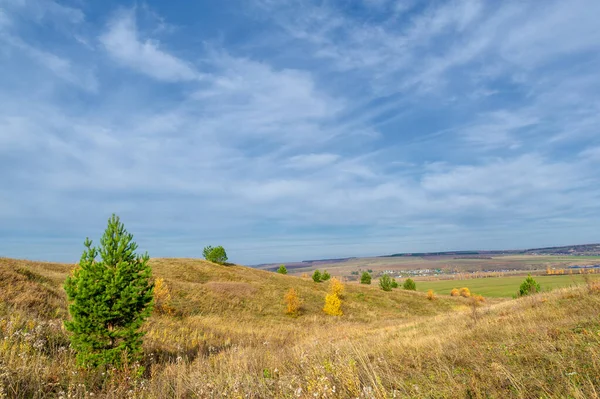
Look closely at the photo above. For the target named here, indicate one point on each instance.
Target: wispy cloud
(121, 41)
(299, 129)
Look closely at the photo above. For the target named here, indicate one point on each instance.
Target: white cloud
(351, 129)
(311, 161)
(122, 43)
(38, 10)
(498, 129)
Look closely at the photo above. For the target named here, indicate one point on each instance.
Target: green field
(500, 287)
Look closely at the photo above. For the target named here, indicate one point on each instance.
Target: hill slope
(229, 337)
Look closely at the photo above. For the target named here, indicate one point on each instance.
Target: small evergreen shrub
(385, 282)
(394, 283)
(529, 286)
(365, 278)
(282, 269)
(409, 284)
(316, 276)
(325, 276)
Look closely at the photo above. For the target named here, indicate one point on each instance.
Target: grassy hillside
(228, 337)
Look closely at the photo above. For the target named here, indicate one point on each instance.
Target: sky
(297, 129)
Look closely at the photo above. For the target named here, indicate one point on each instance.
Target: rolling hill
(228, 336)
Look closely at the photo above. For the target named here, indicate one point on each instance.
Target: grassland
(228, 337)
(499, 287)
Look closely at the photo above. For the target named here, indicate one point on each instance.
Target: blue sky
(297, 129)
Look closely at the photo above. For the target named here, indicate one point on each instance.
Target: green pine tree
(385, 282)
(529, 286)
(365, 278)
(215, 255)
(316, 276)
(282, 270)
(109, 299)
(409, 284)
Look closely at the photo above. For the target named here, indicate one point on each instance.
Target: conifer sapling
(109, 299)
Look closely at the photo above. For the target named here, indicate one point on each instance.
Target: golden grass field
(228, 337)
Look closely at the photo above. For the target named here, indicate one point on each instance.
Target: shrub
(409, 284)
(455, 292)
(430, 295)
(316, 276)
(365, 278)
(282, 270)
(394, 283)
(292, 302)
(215, 255)
(478, 298)
(529, 286)
(333, 305)
(385, 282)
(336, 287)
(109, 299)
(162, 297)
(464, 292)
(325, 276)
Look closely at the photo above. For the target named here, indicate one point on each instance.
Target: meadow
(228, 336)
(500, 287)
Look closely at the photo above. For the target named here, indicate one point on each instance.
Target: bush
(109, 300)
(215, 255)
(333, 305)
(282, 270)
(316, 276)
(455, 292)
(162, 297)
(430, 295)
(529, 286)
(464, 292)
(409, 284)
(365, 278)
(478, 298)
(292, 302)
(336, 287)
(325, 276)
(394, 283)
(385, 282)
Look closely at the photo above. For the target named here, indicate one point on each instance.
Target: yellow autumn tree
(430, 295)
(292, 302)
(333, 305)
(162, 297)
(336, 287)
(333, 301)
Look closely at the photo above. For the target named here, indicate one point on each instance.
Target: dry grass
(387, 344)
